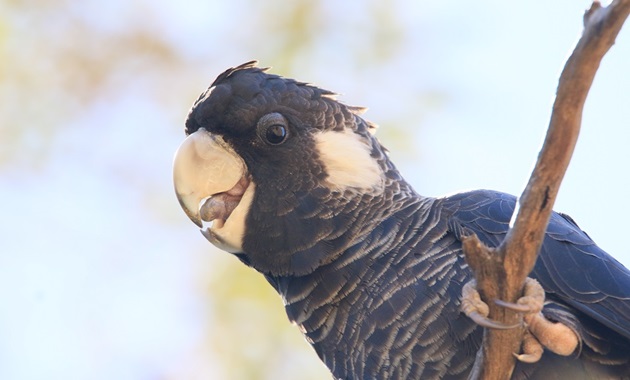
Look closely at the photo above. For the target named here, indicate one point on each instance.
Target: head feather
(251, 65)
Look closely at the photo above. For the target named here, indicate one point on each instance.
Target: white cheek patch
(347, 161)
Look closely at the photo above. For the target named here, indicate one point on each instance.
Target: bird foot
(541, 333)
(477, 310)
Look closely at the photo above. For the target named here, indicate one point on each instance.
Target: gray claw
(514, 306)
(489, 323)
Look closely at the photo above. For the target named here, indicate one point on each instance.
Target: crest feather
(250, 65)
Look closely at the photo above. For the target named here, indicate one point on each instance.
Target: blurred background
(102, 276)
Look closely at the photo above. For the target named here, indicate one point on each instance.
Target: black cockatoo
(294, 184)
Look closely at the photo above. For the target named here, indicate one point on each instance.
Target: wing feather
(571, 267)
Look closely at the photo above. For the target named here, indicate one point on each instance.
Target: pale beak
(204, 165)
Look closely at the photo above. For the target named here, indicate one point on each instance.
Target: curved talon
(532, 300)
(532, 349)
(477, 310)
(519, 308)
(527, 358)
(489, 323)
(540, 334)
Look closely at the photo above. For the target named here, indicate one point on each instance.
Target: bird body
(297, 187)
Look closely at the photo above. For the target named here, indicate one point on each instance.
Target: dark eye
(273, 128)
(275, 134)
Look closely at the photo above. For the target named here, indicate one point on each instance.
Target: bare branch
(500, 273)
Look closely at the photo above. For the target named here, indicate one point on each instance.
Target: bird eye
(273, 128)
(275, 134)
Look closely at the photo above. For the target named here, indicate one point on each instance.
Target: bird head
(279, 172)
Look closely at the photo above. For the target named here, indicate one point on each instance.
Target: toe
(477, 310)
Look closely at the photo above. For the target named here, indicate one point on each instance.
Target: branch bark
(500, 272)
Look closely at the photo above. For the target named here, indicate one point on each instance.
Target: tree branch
(500, 272)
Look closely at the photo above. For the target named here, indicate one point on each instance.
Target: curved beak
(204, 166)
